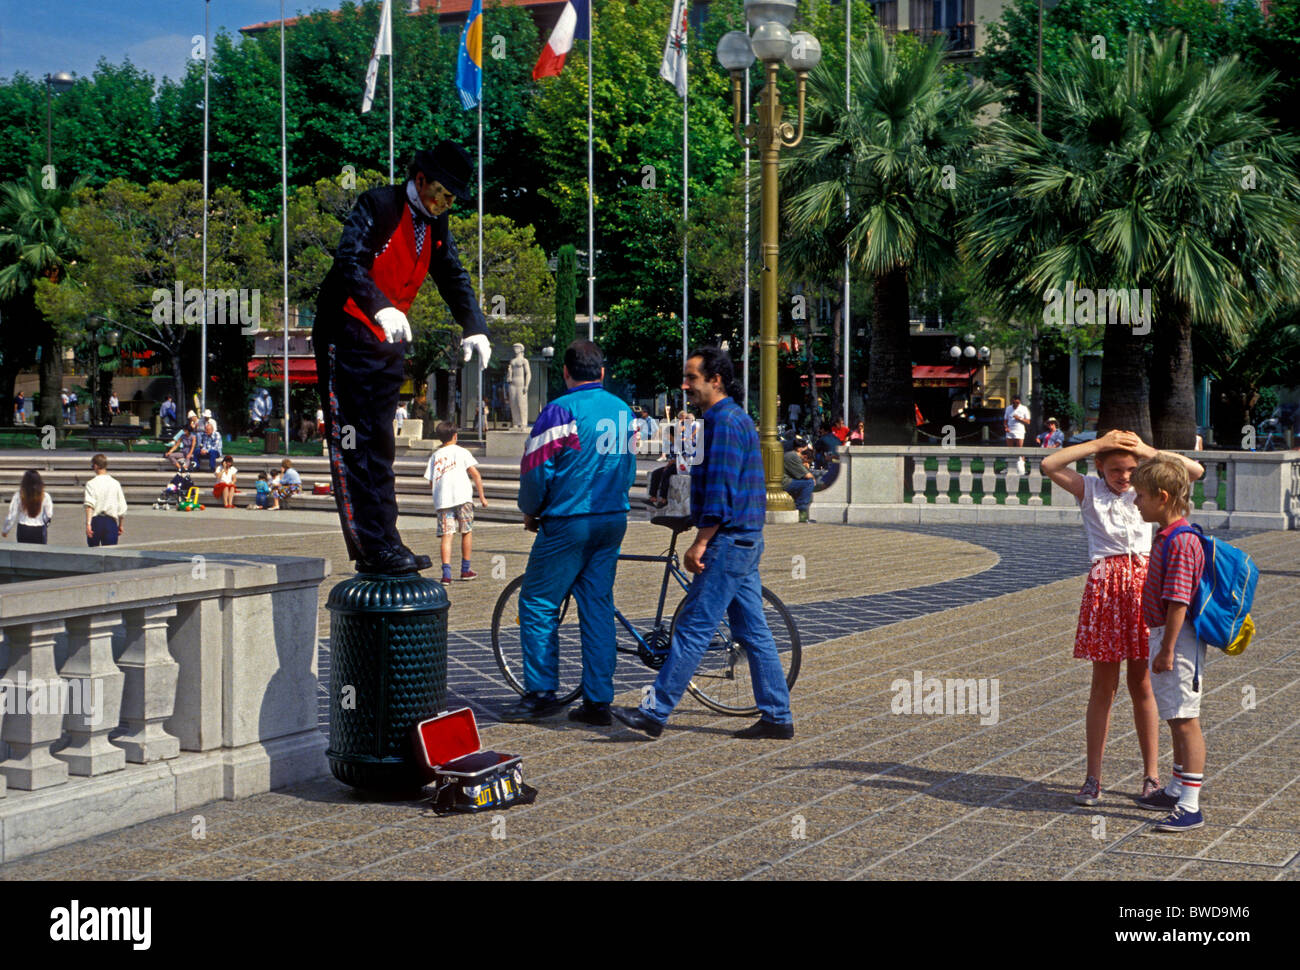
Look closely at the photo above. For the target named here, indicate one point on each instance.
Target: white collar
(414, 198)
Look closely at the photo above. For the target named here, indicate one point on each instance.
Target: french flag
(574, 24)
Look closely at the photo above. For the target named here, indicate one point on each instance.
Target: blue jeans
(575, 554)
(802, 491)
(730, 585)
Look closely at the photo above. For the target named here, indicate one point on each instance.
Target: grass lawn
(240, 446)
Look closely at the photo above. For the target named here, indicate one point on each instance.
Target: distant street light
(59, 82)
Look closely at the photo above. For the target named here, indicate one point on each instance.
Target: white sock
(1175, 787)
(1190, 800)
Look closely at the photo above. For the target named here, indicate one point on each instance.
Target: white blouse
(18, 514)
(1113, 524)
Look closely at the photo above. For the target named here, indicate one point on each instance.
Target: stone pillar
(96, 682)
(149, 691)
(35, 682)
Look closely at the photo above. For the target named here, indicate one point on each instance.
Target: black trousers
(359, 378)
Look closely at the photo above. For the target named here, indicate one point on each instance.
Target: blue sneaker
(1181, 821)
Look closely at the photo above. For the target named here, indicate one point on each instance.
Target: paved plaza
(862, 792)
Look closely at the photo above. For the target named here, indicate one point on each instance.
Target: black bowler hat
(449, 164)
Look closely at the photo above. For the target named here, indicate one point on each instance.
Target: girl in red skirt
(1111, 630)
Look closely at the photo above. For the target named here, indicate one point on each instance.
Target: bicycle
(722, 681)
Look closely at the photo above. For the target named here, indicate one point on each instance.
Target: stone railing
(140, 684)
(934, 484)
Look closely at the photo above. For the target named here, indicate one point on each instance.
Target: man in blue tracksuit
(578, 465)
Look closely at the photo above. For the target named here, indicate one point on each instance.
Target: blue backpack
(1220, 609)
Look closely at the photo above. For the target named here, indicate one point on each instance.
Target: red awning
(944, 375)
(302, 370)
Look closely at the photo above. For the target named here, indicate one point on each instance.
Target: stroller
(176, 489)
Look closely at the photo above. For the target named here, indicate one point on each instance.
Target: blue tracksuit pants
(573, 554)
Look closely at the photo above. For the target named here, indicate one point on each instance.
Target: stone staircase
(143, 477)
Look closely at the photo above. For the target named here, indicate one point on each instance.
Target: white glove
(396, 327)
(480, 343)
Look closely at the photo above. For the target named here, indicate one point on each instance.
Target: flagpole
(203, 330)
(284, 221)
(746, 310)
(844, 319)
(391, 177)
(480, 200)
(591, 184)
(686, 208)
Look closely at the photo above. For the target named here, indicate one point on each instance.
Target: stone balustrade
(882, 484)
(140, 684)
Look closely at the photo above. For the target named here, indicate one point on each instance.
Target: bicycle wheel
(508, 649)
(722, 681)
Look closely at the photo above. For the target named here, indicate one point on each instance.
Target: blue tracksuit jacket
(581, 456)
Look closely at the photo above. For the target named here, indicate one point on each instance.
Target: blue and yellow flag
(469, 63)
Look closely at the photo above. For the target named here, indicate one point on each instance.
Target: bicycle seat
(678, 523)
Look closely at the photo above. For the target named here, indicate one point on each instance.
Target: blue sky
(42, 36)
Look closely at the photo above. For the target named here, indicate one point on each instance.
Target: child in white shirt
(450, 471)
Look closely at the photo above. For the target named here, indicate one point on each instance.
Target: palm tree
(1164, 176)
(35, 244)
(911, 118)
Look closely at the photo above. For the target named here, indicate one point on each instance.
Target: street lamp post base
(780, 507)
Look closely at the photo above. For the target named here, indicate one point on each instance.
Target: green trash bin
(388, 672)
(272, 446)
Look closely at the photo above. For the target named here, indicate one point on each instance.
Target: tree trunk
(51, 377)
(1125, 402)
(891, 418)
(1173, 390)
(8, 376)
(174, 358)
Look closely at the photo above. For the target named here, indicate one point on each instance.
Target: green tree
(1167, 178)
(896, 153)
(137, 245)
(643, 347)
(566, 302)
(36, 245)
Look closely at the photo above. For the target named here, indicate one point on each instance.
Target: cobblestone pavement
(862, 792)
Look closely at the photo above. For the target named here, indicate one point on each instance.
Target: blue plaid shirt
(727, 487)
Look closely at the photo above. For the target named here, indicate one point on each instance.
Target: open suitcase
(468, 778)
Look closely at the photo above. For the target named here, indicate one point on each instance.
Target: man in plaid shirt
(728, 505)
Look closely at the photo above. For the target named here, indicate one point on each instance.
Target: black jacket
(371, 224)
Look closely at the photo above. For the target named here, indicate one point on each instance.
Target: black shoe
(421, 561)
(638, 720)
(391, 561)
(532, 707)
(589, 713)
(766, 729)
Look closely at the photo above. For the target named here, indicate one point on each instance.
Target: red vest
(398, 271)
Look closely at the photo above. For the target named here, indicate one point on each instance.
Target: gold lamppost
(773, 44)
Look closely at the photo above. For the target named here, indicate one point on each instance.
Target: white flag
(383, 45)
(673, 69)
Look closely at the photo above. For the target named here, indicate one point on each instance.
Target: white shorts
(1173, 689)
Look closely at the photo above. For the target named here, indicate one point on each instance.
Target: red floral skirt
(1111, 627)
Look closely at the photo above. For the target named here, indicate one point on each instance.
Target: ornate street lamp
(60, 82)
(772, 43)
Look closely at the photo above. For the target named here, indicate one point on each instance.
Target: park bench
(127, 434)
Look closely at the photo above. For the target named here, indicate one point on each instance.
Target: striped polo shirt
(1175, 581)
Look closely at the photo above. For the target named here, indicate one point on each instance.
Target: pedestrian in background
(31, 510)
(105, 506)
(452, 478)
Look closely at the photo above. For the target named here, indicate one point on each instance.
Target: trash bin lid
(411, 593)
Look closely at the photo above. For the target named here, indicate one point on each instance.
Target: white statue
(518, 376)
